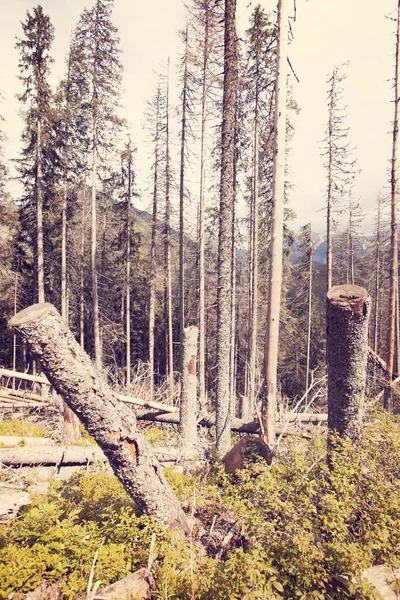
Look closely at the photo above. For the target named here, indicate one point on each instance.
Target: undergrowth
(301, 530)
(22, 429)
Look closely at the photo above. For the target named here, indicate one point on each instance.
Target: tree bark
(167, 250)
(39, 215)
(348, 310)
(223, 407)
(188, 406)
(275, 275)
(152, 291)
(388, 397)
(110, 422)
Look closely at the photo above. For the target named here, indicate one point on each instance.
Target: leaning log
(348, 309)
(111, 423)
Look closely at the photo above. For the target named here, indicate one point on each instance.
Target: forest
(228, 331)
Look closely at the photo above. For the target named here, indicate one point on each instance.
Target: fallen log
(67, 456)
(127, 399)
(111, 423)
(23, 376)
(237, 425)
(7, 392)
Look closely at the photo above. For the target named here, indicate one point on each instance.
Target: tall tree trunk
(377, 284)
(71, 432)
(388, 396)
(329, 199)
(64, 254)
(168, 274)
(348, 309)
(223, 408)
(310, 280)
(201, 244)
(275, 275)
(95, 291)
(188, 405)
(109, 421)
(128, 274)
(181, 205)
(254, 270)
(82, 278)
(152, 294)
(39, 214)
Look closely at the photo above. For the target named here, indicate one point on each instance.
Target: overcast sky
(327, 33)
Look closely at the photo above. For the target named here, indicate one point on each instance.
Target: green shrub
(22, 429)
(301, 530)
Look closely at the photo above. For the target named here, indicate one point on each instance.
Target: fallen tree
(64, 456)
(112, 424)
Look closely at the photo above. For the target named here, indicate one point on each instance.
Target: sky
(326, 33)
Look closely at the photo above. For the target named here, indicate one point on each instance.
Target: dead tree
(111, 423)
(188, 424)
(348, 310)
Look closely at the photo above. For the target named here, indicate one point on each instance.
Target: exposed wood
(246, 448)
(109, 421)
(188, 405)
(348, 310)
(23, 376)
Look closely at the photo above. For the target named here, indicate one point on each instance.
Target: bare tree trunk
(128, 274)
(14, 336)
(110, 422)
(310, 280)
(329, 200)
(223, 407)
(168, 274)
(181, 206)
(152, 299)
(64, 254)
(348, 310)
(254, 270)
(96, 320)
(82, 281)
(188, 405)
(388, 397)
(202, 328)
(39, 214)
(275, 275)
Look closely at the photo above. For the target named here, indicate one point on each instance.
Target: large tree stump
(111, 423)
(188, 406)
(348, 309)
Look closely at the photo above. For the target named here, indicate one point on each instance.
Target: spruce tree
(98, 68)
(35, 62)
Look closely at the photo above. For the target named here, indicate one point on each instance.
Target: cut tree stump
(348, 309)
(112, 424)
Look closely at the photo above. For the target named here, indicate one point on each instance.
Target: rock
(382, 577)
(134, 587)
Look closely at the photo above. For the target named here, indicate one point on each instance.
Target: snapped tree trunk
(188, 424)
(348, 310)
(110, 422)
